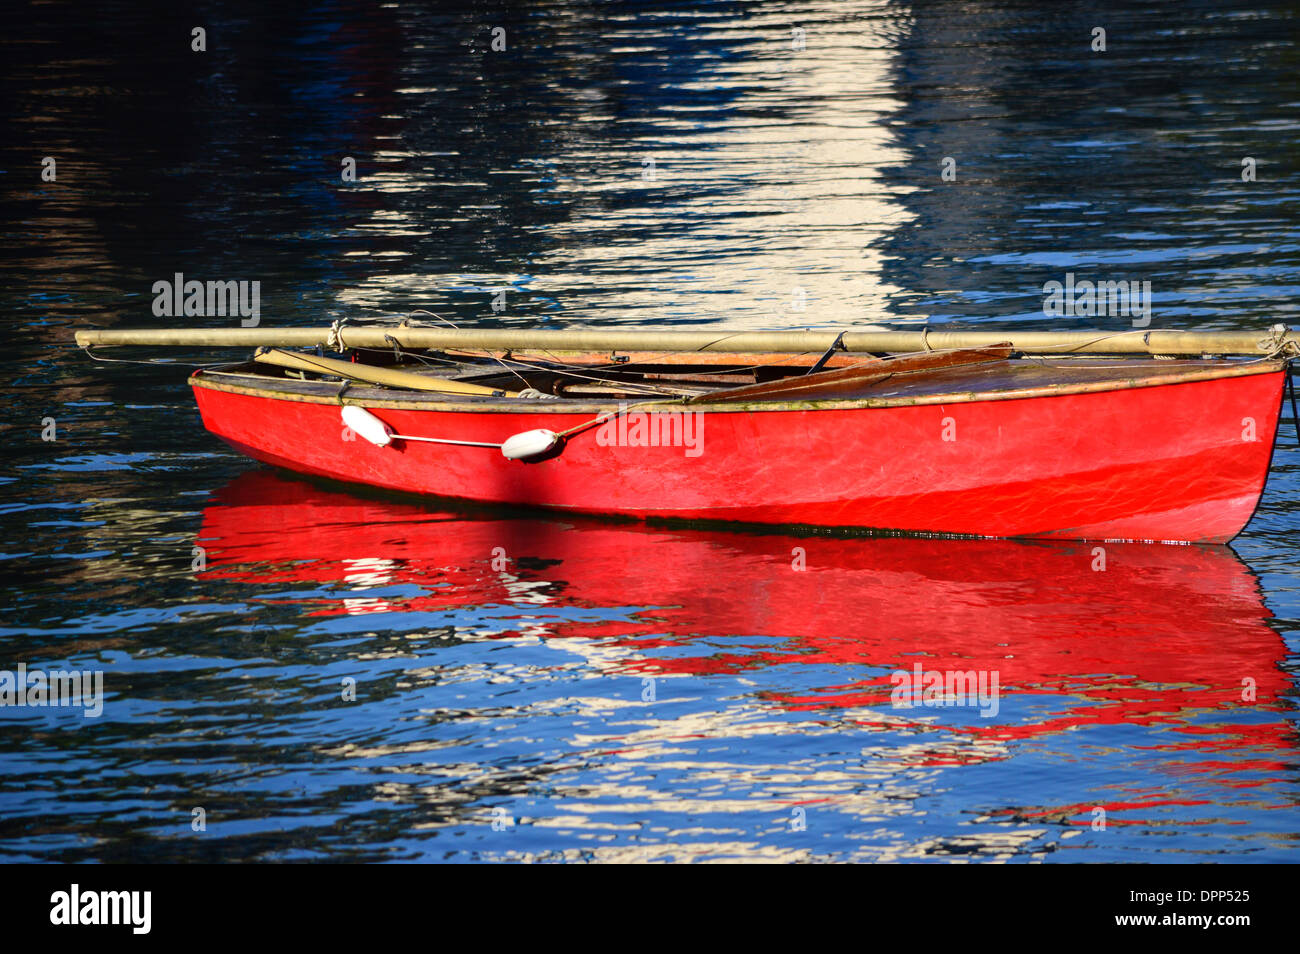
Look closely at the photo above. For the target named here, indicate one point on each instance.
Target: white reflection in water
(770, 214)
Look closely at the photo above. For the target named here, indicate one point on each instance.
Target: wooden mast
(1256, 343)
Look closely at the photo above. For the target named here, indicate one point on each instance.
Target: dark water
(612, 691)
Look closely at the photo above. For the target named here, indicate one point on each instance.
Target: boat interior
(571, 378)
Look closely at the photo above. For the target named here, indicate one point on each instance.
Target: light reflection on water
(626, 692)
(526, 687)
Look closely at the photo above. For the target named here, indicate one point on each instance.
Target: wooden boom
(360, 372)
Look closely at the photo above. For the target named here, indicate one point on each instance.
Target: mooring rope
(158, 361)
(1278, 341)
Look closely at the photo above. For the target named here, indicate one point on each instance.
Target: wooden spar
(372, 375)
(1256, 343)
(848, 380)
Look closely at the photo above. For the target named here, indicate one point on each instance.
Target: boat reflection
(1079, 635)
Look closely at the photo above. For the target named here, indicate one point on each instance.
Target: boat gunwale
(291, 390)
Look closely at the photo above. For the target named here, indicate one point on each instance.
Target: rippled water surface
(531, 687)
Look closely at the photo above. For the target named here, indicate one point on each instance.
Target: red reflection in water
(1159, 636)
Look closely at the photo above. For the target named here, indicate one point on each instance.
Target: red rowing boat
(984, 442)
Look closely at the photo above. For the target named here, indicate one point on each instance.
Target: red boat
(985, 442)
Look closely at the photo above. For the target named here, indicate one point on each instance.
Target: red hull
(1171, 462)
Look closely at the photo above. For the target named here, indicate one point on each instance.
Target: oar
(362, 372)
(845, 380)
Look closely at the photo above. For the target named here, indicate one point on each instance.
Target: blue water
(339, 676)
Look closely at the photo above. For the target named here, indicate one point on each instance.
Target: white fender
(367, 425)
(529, 444)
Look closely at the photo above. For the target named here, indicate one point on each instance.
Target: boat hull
(1176, 462)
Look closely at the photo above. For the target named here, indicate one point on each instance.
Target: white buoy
(367, 425)
(529, 444)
